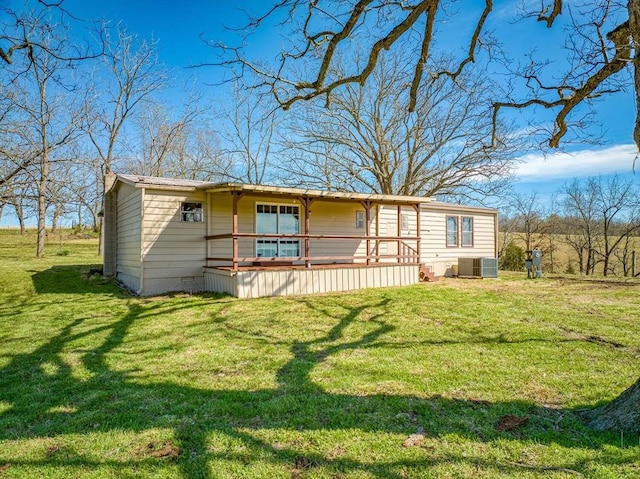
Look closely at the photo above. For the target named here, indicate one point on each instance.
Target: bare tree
(130, 74)
(249, 133)
(161, 134)
(197, 155)
(532, 223)
(366, 140)
(551, 239)
(599, 46)
(581, 210)
(604, 213)
(618, 206)
(16, 40)
(44, 100)
(626, 254)
(14, 195)
(84, 192)
(529, 218)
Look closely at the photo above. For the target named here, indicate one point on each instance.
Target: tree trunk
(55, 219)
(17, 206)
(621, 414)
(42, 198)
(42, 213)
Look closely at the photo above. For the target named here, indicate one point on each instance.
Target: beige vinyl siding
(129, 211)
(434, 250)
(174, 252)
(220, 222)
(336, 218)
(388, 217)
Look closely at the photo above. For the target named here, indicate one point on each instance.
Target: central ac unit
(478, 267)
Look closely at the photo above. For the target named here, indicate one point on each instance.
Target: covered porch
(285, 241)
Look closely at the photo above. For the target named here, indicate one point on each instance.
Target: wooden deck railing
(405, 254)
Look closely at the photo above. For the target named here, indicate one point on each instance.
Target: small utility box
(533, 262)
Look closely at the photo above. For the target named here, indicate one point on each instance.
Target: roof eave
(319, 194)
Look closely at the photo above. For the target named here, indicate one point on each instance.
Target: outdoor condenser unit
(478, 267)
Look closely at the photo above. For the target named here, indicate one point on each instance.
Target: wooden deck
(259, 281)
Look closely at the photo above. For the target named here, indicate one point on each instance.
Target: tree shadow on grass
(70, 279)
(43, 397)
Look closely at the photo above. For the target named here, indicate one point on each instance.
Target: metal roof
(141, 181)
(309, 193)
(441, 205)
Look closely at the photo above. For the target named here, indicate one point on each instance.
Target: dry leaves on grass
(301, 465)
(413, 440)
(509, 422)
(167, 449)
(4, 468)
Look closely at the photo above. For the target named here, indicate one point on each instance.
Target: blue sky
(180, 27)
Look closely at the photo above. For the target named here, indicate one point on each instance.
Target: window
(404, 222)
(467, 231)
(191, 212)
(360, 219)
(277, 219)
(452, 231)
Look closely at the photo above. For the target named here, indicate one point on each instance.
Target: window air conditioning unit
(478, 267)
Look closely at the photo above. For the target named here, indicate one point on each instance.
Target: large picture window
(452, 231)
(277, 219)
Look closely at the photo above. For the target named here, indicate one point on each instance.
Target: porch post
(367, 212)
(418, 231)
(306, 203)
(234, 229)
(399, 233)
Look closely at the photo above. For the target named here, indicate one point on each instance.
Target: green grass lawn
(384, 383)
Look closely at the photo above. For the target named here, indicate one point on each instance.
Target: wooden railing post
(399, 232)
(306, 203)
(418, 232)
(234, 230)
(367, 213)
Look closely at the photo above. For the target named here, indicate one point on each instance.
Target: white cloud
(615, 159)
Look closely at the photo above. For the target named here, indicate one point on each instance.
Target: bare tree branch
(592, 67)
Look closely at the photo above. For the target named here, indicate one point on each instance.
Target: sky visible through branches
(183, 29)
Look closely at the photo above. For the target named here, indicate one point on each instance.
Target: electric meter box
(536, 257)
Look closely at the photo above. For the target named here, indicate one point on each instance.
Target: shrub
(570, 269)
(512, 258)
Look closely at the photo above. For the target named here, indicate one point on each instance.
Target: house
(166, 235)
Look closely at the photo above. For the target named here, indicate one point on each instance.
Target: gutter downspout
(142, 255)
(497, 234)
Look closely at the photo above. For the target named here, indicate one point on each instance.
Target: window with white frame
(277, 219)
(452, 231)
(360, 219)
(467, 231)
(191, 212)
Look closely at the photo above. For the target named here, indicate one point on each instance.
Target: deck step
(427, 275)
